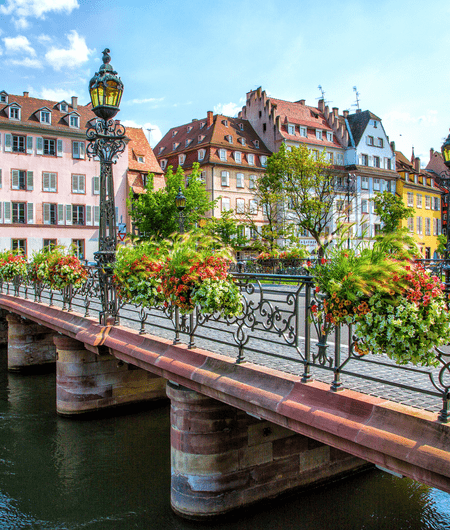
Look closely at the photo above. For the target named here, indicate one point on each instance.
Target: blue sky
(180, 59)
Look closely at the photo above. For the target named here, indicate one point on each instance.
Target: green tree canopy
(228, 230)
(154, 212)
(392, 210)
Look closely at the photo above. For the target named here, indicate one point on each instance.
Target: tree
(391, 210)
(155, 214)
(228, 230)
(306, 182)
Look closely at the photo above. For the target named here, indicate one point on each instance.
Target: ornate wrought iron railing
(276, 329)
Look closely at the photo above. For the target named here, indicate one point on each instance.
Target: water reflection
(114, 473)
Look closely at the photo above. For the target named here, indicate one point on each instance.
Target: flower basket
(137, 274)
(61, 270)
(12, 265)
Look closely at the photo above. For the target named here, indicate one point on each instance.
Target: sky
(178, 60)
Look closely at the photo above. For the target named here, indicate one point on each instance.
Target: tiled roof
(358, 123)
(30, 116)
(139, 146)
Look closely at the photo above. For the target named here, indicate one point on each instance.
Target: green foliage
(307, 183)
(442, 244)
(227, 230)
(57, 267)
(155, 213)
(391, 210)
(12, 264)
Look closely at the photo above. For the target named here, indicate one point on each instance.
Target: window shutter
(29, 180)
(1, 212)
(8, 142)
(96, 215)
(75, 150)
(59, 147)
(14, 179)
(0, 140)
(88, 214)
(81, 184)
(74, 183)
(82, 150)
(7, 212)
(53, 181)
(68, 214)
(46, 213)
(46, 182)
(39, 145)
(96, 185)
(30, 145)
(60, 214)
(1, 179)
(30, 212)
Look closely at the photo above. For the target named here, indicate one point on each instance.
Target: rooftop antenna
(357, 94)
(322, 91)
(150, 134)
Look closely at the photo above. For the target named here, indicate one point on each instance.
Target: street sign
(121, 231)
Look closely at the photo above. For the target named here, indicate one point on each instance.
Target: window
(49, 212)
(77, 214)
(225, 122)
(291, 129)
(419, 200)
(329, 136)
(140, 159)
(49, 243)
(63, 107)
(46, 117)
(253, 207)
(376, 161)
(252, 182)
(20, 245)
(251, 159)
(410, 199)
(225, 178)
(229, 138)
(187, 142)
(78, 184)
(364, 160)
(78, 248)
(203, 177)
(376, 184)
(364, 206)
(49, 146)
(181, 159)
(95, 185)
(380, 142)
(223, 155)
(369, 140)
(263, 160)
(201, 154)
(329, 157)
(240, 205)
(365, 183)
(427, 226)
(318, 134)
(256, 143)
(416, 179)
(387, 163)
(225, 204)
(4, 97)
(241, 126)
(303, 131)
(21, 180)
(241, 141)
(14, 113)
(18, 143)
(411, 224)
(419, 226)
(238, 157)
(163, 164)
(49, 182)
(427, 202)
(435, 227)
(78, 150)
(239, 180)
(339, 159)
(437, 203)
(377, 229)
(18, 212)
(174, 133)
(375, 124)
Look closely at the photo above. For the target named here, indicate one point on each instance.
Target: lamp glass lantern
(446, 151)
(105, 89)
(180, 200)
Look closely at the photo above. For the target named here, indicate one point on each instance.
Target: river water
(114, 473)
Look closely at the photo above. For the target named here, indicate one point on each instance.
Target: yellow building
(418, 190)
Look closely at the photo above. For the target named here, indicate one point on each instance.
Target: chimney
(25, 94)
(258, 92)
(417, 164)
(336, 111)
(345, 113)
(431, 153)
(321, 105)
(74, 102)
(302, 101)
(393, 146)
(209, 118)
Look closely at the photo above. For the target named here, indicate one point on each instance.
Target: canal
(114, 474)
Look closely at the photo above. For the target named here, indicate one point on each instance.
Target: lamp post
(106, 141)
(351, 189)
(180, 201)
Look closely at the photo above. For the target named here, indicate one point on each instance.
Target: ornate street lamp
(180, 201)
(106, 141)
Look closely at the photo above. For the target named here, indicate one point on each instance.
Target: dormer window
(14, 113)
(174, 133)
(225, 122)
(241, 126)
(291, 129)
(175, 145)
(251, 159)
(319, 134)
(201, 154)
(229, 138)
(200, 138)
(3, 97)
(263, 160)
(163, 164)
(46, 117)
(74, 121)
(202, 124)
(161, 149)
(237, 157)
(375, 123)
(223, 155)
(329, 136)
(181, 159)
(303, 132)
(189, 129)
(63, 107)
(256, 142)
(241, 141)
(140, 159)
(188, 141)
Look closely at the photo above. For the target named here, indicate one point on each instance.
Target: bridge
(259, 404)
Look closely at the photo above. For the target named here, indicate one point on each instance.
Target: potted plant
(12, 265)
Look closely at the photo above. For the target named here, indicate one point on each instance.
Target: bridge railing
(276, 329)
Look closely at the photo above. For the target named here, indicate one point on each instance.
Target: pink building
(49, 188)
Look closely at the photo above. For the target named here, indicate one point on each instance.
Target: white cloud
(44, 39)
(227, 109)
(72, 57)
(21, 23)
(56, 94)
(27, 62)
(154, 134)
(147, 100)
(19, 44)
(37, 8)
